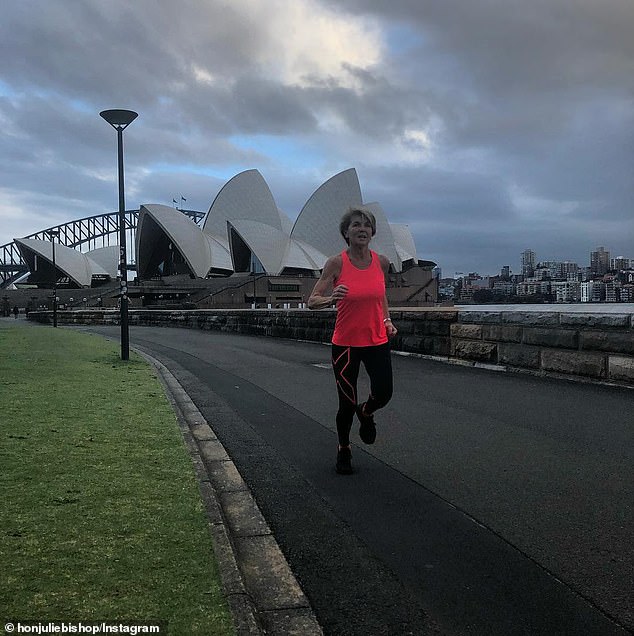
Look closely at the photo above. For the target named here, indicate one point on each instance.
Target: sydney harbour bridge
(85, 234)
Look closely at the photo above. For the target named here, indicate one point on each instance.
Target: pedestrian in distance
(354, 280)
(16, 311)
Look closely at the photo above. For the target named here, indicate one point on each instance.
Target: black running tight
(346, 362)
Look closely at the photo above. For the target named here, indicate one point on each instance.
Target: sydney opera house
(245, 250)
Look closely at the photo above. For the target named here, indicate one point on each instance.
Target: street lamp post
(53, 234)
(120, 120)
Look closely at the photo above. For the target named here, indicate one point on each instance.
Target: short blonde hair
(356, 210)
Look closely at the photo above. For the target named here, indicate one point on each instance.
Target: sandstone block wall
(593, 346)
(589, 346)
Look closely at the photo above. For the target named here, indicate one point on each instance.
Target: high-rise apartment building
(566, 270)
(600, 261)
(528, 262)
(566, 291)
(619, 263)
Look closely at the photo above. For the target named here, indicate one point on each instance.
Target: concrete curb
(263, 593)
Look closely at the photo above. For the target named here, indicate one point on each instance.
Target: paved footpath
(491, 503)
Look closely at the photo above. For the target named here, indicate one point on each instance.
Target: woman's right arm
(319, 298)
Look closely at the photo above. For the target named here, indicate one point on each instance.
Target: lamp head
(119, 118)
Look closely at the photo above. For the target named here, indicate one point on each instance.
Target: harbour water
(566, 308)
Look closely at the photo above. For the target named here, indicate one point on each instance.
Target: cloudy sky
(488, 126)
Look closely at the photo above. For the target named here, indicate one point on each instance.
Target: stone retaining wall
(594, 347)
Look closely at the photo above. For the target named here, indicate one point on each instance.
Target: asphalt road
(491, 503)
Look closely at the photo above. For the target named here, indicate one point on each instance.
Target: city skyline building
(528, 262)
(599, 261)
(604, 279)
(620, 262)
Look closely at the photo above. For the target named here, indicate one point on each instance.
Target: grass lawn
(101, 519)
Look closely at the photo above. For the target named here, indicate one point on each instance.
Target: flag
(173, 200)
(183, 198)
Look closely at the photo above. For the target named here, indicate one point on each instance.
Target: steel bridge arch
(86, 234)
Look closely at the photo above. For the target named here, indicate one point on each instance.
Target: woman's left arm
(390, 329)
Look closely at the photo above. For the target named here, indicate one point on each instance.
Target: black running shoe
(344, 467)
(367, 430)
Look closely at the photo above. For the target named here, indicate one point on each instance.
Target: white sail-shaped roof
(268, 243)
(243, 231)
(77, 266)
(244, 226)
(318, 222)
(303, 256)
(245, 196)
(220, 253)
(200, 253)
(404, 242)
(286, 223)
(383, 241)
(107, 258)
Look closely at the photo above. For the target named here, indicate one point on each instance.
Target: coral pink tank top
(359, 320)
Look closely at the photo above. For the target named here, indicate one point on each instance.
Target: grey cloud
(507, 45)
(529, 99)
(264, 106)
(426, 193)
(163, 186)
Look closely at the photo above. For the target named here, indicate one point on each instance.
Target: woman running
(362, 328)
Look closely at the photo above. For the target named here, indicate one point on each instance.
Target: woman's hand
(339, 292)
(318, 298)
(390, 329)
